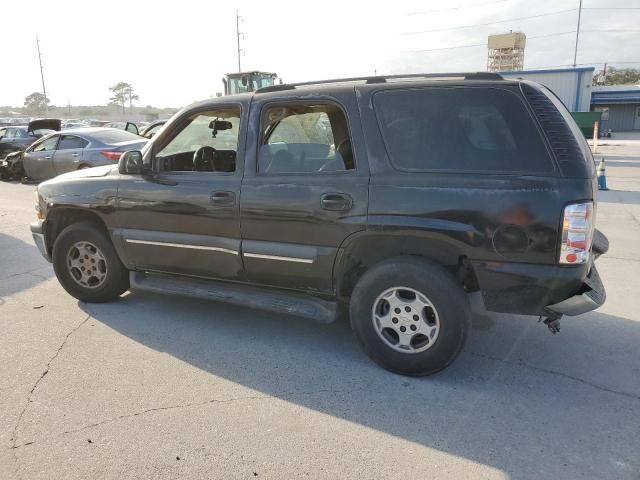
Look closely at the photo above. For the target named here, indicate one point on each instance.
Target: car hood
(45, 124)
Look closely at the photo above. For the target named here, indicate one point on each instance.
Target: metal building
(506, 51)
(620, 106)
(571, 85)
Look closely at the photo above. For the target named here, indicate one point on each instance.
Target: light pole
(44, 90)
(575, 51)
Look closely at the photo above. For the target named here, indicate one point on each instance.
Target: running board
(276, 301)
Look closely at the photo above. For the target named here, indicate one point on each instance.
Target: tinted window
(10, 133)
(464, 129)
(305, 139)
(68, 142)
(114, 136)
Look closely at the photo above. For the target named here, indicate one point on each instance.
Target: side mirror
(131, 128)
(130, 163)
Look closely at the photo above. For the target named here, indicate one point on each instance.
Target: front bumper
(37, 231)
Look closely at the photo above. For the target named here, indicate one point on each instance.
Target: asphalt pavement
(157, 387)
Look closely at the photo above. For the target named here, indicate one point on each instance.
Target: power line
(589, 63)
(611, 8)
(470, 45)
(457, 8)
(491, 23)
(532, 37)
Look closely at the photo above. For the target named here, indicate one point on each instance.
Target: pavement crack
(32, 273)
(13, 440)
(559, 374)
(282, 396)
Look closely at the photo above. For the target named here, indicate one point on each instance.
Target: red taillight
(113, 155)
(577, 233)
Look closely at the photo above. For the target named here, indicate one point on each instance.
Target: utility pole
(238, 38)
(575, 52)
(44, 90)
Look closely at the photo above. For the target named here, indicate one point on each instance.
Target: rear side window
(71, 142)
(460, 129)
(304, 138)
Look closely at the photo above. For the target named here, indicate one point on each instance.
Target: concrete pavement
(160, 387)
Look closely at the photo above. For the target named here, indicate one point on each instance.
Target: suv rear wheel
(410, 316)
(87, 265)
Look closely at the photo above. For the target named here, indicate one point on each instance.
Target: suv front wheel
(410, 316)
(87, 265)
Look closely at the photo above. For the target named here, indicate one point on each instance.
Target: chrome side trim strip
(183, 245)
(275, 257)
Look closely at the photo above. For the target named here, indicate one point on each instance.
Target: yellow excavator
(242, 82)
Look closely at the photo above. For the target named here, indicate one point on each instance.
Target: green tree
(123, 93)
(617, 76)
(36, 103)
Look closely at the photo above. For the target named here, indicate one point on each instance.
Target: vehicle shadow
(21, 266)
(517, 399)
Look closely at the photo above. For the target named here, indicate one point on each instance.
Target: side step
(277, 301)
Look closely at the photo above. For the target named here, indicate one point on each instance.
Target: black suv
(396, 197)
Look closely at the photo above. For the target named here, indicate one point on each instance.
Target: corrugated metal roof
(615, 94)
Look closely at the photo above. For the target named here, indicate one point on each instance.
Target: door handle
(47, 157)
(75, 154)
(337, 202)
(223, 198)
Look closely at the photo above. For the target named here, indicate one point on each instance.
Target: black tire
(117, 276)
(439, 286)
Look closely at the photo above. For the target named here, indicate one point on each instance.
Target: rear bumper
(531, 289)
(37, 231)
(591, 296)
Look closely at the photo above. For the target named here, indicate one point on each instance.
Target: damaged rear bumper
(543, 290)
(591, 296)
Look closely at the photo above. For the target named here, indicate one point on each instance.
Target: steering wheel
(203, 159)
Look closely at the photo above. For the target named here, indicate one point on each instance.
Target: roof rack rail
(383, 79)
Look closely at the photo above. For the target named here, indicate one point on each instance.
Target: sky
(175, 53)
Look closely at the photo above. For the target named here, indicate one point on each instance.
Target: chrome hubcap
(87, 265)
(405, 320)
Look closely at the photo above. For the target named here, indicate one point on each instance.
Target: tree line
(123, 95)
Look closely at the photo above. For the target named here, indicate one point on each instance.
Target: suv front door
(305, 190)
(183, 216)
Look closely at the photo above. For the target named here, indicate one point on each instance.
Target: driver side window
(208, 142)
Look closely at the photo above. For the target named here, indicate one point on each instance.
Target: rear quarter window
(472, 129)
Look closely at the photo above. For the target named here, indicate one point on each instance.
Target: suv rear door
(304, 190)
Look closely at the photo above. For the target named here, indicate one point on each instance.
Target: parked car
(420, 192)
(76, 149)
(17, 138)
